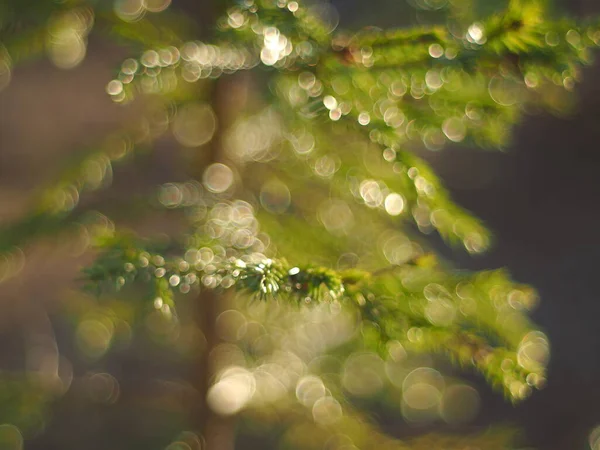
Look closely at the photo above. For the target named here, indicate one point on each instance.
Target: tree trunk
(218, 432)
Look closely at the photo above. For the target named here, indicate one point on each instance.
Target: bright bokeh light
(276, 46)
(67, 36)
(218, 178)
(327, 411)
(194, 125)
(94, 337)
(232, 392)
(310, 389)
(534, 350)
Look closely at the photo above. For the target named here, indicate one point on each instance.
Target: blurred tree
(296, 281)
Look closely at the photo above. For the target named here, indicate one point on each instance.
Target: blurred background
(538, 196)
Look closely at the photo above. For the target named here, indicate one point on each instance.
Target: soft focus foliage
(307, 194)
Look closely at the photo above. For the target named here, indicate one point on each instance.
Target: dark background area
(540, 197)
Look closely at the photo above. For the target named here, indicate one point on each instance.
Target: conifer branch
(427, 317)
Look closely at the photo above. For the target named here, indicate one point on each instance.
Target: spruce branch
(420, 306)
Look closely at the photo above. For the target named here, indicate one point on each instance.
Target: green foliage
(475, 319)
(322, 165)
